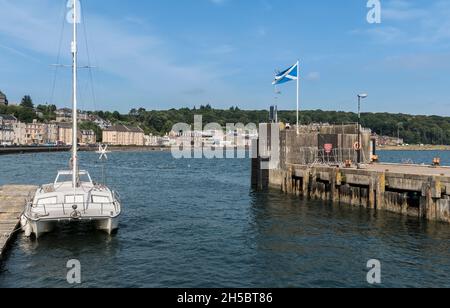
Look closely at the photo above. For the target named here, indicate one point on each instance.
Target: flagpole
(298, 97)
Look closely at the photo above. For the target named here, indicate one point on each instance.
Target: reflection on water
(43, 262)
(415, 157)
(196, 223)
(315, 244)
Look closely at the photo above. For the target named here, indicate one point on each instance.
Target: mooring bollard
(436, 161)
(375, 159)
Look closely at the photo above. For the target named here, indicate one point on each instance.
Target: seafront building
(124, 135)
(102, 123)
(215, 138)
(34, 133)
(88, 136)
(7, 129)
(20, 134)
(85, 137)
(6, 135)
(65, 115)
(65, 133)
(8, 119)
(151, 140)
(40, 133)
(3, 99)
(13, 132)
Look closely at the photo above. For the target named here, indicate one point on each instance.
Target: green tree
(27, 102)
(116, 116)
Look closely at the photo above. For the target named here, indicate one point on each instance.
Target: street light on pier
(360, 97)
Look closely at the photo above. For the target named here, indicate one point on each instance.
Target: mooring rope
(16, 230)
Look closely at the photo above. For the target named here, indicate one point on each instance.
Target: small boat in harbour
(62, 202)
(73, 196)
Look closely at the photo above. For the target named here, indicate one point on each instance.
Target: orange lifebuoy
(357, 146)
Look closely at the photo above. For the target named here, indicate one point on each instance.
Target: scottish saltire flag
(287, 75)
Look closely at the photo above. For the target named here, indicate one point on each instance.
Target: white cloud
(400, 10)
(141, 60)
(406, 22)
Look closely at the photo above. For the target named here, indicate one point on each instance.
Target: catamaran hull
(41, 227)
(38, 228)
(108, 225)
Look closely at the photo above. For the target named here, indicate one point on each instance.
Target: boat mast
(74, 99)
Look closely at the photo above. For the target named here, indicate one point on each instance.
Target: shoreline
(29, 150)
(26, 150)
(43, 149)
(424, 148)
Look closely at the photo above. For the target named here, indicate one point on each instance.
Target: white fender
(26, 227)
(23, 222)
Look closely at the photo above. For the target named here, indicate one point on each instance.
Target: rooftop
(6, 117)
(124, 129)
(64, 125)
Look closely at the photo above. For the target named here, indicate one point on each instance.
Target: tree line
(26, 111)
(414, 129)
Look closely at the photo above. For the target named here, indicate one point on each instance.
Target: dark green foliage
(25, 115)
(27, 102)
(48, 111)
(414, 129)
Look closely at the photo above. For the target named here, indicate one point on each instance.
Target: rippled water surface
(196, 223)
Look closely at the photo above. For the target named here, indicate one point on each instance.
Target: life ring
(357, 146)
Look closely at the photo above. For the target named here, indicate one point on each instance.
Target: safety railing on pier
(314, 156)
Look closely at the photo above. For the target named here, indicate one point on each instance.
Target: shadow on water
(306, 243)
(47, 256)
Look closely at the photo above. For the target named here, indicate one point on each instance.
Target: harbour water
(197, 223)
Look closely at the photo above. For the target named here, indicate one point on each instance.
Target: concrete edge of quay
(412, 190)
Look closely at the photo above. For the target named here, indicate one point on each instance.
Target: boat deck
(12, 203)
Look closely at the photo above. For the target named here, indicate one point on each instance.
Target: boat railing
(67, 208)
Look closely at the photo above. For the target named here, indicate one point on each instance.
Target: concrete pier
(13, 199)
(413, 190)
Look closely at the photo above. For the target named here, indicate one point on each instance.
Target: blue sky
(177, 53)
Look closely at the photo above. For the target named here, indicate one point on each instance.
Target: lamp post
(360, 97)
(398, 133)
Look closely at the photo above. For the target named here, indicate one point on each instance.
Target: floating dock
(13, 199)
(307, 171)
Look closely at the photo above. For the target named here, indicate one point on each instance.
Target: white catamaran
(73, 197)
